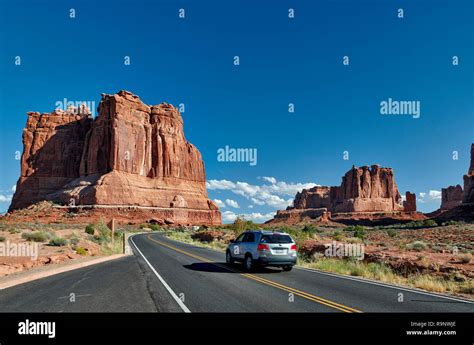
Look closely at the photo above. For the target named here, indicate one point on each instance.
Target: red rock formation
(363, 191)
(52, 148)
(451, 197)
(367, 190)
(132, 155)
(468, 196)
(409, 205)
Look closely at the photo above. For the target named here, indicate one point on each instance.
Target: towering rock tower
(132, 154)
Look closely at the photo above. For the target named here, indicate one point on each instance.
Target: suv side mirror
(232, 241)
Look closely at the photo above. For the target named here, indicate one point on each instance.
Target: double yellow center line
(302, 294)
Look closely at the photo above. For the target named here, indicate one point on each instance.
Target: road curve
(170, 276)
(204, 283)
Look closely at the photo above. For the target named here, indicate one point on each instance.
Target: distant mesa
(131, 155)
(451, 197)
(364, 193)
(457, 203)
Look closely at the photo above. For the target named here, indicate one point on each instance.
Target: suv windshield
(276, 238)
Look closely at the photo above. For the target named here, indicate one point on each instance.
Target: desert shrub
(451, 222)
(359, 232)
(90, 229)
(337, 235)
(81, 251)
(38, 236)
(57, 242)
(103, 233)
(73, 241)
(2, 239)
(391, 233)
(417, 246)
(142, 226)
(429, 223)
(465, 258)
(310, 229)
(241, 224)
(208, 235)
(155, 227)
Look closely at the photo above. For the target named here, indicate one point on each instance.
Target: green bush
(104, 233)
(429, 223)
(2, 239)
(391, 233)
(81, 251)
(310, 229)
(359, 232)
(90, 229)
(417, 246)
(57, 242)
(155, 227)
(38, 236)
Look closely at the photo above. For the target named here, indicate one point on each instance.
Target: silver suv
(262, 248)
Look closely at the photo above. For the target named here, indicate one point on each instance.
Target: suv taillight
(262, 247)
(293, 247)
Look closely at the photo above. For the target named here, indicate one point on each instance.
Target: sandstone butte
(131, 156)
(456, 202)
(365, 192)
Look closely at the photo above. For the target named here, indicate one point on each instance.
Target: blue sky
(282, 61)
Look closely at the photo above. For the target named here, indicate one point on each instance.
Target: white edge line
(176, 298)
(397, 287)
(391, 286)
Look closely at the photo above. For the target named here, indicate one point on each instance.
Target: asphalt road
(170, 276)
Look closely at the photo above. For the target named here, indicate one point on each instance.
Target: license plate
(279, 251)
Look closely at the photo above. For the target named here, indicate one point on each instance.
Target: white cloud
(432, 195)
(219, 184)
(5, 198)
(13, 188)
(232, 203)
(229, 216)
(272, 180)
(219, 203)
(266, 194)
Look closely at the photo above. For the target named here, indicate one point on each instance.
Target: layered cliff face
(130, 155)
(52, 149)
(468, 195)
(451, 197)
(363, 190)
(367, 190)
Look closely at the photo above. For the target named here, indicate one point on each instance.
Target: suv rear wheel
(248, 262)
(287, 268)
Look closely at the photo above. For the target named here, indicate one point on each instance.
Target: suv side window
(250, 237)
(240, 238)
